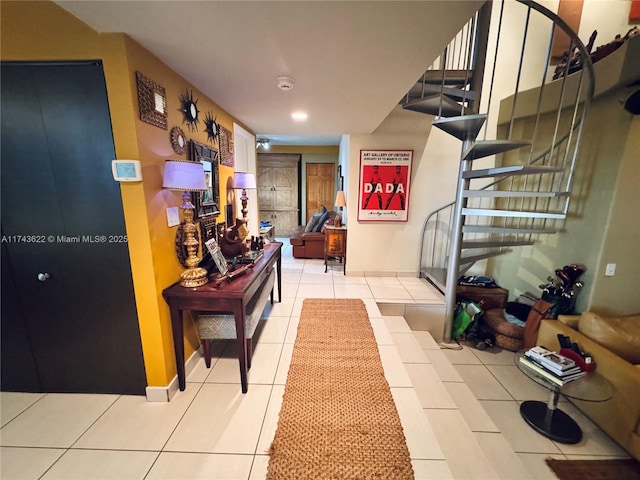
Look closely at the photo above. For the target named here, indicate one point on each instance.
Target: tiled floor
(459, 408)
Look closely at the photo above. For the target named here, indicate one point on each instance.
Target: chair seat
(223, 326)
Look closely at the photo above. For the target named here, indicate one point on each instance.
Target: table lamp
(341, 201)
(244, 180)
(187, 177)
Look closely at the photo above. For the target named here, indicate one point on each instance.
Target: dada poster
(384, 185)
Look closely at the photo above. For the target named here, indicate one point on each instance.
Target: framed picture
(206, 203)
(218, 257)
(385, 177)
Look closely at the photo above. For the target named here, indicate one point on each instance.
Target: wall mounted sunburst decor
(212, 128)
(189, 109)
(178, 140)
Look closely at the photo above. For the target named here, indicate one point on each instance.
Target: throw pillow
(313, 221)
(621, 335)
(323, 218)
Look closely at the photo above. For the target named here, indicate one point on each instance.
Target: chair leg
(249, 345)
(206, 345)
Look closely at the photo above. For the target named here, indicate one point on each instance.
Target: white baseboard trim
(165, 394)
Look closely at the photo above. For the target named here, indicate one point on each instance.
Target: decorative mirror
(206, 203)
(189, 109)
(152, 102)
(212, 128)
(178, 140)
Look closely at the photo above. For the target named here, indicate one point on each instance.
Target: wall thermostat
(126, 170)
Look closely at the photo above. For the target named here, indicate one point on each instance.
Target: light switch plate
(610, 270)
(173, 217)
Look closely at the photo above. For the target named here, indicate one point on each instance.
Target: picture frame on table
(217, 256)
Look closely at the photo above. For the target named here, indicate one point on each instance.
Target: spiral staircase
(515, 185)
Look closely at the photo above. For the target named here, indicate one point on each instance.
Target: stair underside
(422, 89)
(458, 78)
(462, 127)
(469, 259)
(438, 105)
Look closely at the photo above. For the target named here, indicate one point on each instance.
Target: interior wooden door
(69, 297)
(320, 187)
(278, 191)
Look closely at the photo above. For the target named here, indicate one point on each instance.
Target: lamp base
(193, 277)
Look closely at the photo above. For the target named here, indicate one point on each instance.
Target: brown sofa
(614, 344)
(307, 244)
(308, 240)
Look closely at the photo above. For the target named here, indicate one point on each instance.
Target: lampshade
(341, 201)
(244, 180)
(184, 175)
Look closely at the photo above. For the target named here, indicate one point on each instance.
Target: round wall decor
(178, 140)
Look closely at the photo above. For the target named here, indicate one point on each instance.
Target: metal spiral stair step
(511, 194)
(512, 170)
(462, 127)
(488, 212)
(507, 230)
(470, 244)
(485, 148)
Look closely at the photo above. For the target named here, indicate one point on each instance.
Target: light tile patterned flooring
(459, 408)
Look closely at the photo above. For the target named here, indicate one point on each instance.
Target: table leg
(550, 421)
(242, 346)
(279, 274)
(178, 346)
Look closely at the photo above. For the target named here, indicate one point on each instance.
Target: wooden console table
(230, 297)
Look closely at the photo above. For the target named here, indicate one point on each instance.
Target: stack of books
(557, 368)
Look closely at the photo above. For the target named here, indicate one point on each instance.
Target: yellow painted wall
(53, 34)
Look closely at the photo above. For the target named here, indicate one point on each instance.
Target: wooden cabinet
(335, 246)
(278, 191)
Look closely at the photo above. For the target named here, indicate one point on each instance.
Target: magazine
(550, 359)
(539, 370)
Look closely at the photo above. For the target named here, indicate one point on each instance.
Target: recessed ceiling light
(299, 116)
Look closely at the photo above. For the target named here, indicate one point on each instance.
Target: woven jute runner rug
(338, 418)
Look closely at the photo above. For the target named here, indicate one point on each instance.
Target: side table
(335, 246)
(546, 418)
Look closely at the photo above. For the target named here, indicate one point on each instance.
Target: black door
(68, 301)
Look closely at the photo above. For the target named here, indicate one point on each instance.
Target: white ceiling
(352, 61)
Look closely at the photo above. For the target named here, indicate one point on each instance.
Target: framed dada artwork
(384, 185)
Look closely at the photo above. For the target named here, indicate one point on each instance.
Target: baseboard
(165, 394)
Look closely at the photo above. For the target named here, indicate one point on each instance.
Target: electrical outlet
(610, 270)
